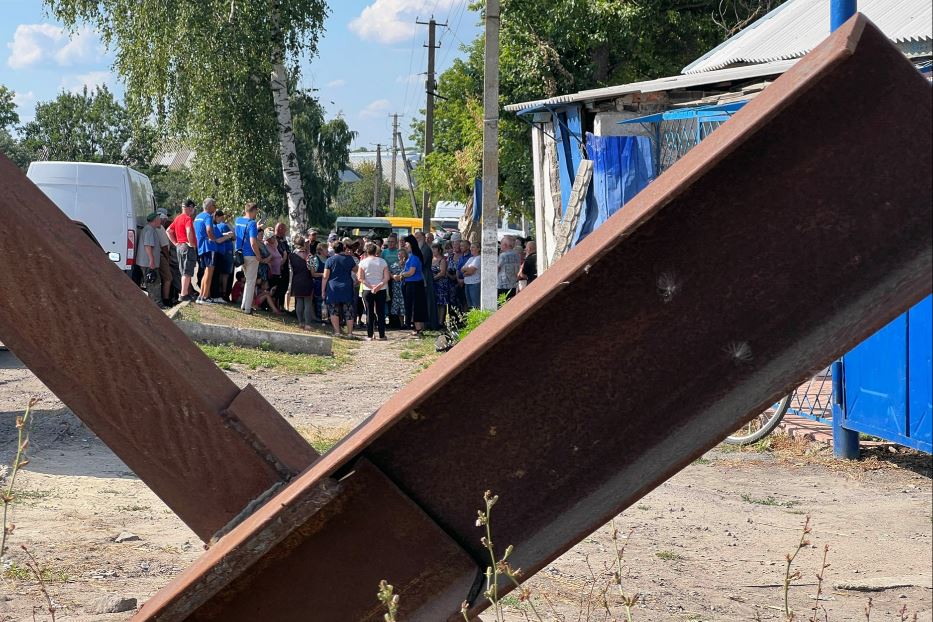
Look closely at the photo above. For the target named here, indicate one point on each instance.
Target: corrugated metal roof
(669, 83)
(795, 28)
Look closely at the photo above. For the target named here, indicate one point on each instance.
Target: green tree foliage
(323, 153)
(79, 127)
(9, 146)
(8, 115)
(549, 47)
(172, 187)
(202, 67)
(13, 149)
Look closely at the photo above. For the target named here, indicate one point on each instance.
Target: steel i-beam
(822, 185)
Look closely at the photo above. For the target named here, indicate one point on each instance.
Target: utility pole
(489, 261)
(430, 89)
(377, 180)
(407, 164)
(394, 156)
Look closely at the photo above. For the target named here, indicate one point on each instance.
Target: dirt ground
(707, 545)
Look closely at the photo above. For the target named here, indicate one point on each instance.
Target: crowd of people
(206, 259)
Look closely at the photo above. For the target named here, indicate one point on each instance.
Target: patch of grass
(230, 315)
(472, 319)
(323, 439)
(31, 496)
(702, 461)
(669, 556)
(226, 356)
(420, 350)
(764, 445)
(17, 572)
(769, 500)
(133, 508)
(643, 508)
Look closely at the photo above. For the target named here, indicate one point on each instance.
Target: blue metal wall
(888, 380)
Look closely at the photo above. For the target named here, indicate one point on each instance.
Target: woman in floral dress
(441, 282)
(397, 304)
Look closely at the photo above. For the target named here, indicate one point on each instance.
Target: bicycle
(811, 400)
(761, 425)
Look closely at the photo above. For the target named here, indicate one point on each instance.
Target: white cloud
(391, 21)
(36, 43)
(84, 46)
(336, 84)
(91, 80)
(23, 99)
(375, 109)
(32, 43)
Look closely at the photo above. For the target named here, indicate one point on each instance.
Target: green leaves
(8, 115)
(80, 127)
(550, 47)
(201, 69)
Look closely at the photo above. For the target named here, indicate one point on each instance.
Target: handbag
(238, 253)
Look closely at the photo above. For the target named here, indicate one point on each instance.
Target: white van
(109, 202)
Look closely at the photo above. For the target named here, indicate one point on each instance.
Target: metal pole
(840, 11)
(430, 89)
(845, 441)
(407, 164)
(489, 269)
(394, 156)
(377, 181)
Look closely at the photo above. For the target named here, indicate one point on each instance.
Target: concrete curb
(294, 343)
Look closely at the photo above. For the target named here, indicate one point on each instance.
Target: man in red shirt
(181, 233)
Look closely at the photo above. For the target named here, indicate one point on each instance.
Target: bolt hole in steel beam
(824, 177)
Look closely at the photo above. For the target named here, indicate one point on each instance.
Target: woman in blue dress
(416, 303)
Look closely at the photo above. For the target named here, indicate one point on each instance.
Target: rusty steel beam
(792, 233)
(209, 450)
(811, 183)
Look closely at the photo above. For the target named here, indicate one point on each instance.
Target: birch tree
(214, 74)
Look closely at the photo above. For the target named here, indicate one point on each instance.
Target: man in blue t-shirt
(247, 241)
(223, 258)
(208, 245)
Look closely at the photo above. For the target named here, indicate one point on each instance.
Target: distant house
(633, 132)
(358, 158)
(175, 157)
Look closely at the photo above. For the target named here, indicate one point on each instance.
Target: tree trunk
(297, 209)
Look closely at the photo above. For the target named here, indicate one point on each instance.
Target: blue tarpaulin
(622, 167)
(568, 133)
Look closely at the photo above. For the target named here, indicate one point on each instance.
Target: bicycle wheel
(761, 425)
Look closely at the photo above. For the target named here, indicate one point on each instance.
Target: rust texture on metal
(329, 565)
(121, 366)
(825, 178)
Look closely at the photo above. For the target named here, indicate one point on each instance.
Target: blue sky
(371, 60)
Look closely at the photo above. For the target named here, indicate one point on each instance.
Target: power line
(455, 30)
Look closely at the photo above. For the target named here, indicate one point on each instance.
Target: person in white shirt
(509, 264)
(373, 275)
(471, 276)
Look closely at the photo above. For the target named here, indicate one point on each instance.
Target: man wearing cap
(149, 259)
(312, 235)
(332, 239)
(181, 234)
